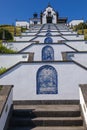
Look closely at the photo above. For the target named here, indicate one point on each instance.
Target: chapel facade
(49, 15)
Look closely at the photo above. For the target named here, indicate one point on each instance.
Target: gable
(49, 9)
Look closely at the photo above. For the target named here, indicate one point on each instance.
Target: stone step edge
(47, 107)
(49, 128)
(45, 102)
(49, 118)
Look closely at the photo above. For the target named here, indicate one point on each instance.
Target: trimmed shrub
(3, 49)
(2, 70)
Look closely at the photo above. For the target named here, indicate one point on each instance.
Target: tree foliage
(7, 34)
(81, 26)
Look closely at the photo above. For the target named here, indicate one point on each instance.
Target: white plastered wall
(79, 45)
(23, 77)
(23, 38)
(80, 58)
(55, 39)
(9, 60)
(37, 49)
(17, 46)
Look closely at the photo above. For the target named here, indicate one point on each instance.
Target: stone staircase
(46, 117)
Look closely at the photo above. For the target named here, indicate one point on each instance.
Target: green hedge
(3, 49)
(2, 70)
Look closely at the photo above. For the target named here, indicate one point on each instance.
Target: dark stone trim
(46, 102)
(76, 41)
(14, 53)
(79, 52)
(33, 39)
(39, 35)
(40, 29)
(80, 65)
(27, 35)
(32, 44)
(18, 42)
(42, 62)
(5, 92)
(71, 47)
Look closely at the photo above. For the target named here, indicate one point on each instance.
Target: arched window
(48, 40)
(47, 53)
(47, 80)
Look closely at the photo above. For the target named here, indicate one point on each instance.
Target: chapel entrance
(49, 19)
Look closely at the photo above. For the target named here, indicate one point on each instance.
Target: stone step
(47, 121)
(33, 114)
(47, 107)
(47, 128)
(44, 117)
(46, 111)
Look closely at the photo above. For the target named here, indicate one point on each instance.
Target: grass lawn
(11, 29)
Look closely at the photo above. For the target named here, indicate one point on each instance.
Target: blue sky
(10, 10)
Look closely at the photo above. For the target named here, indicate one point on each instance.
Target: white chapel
(46, 79)
(49, 15)
(47, 65)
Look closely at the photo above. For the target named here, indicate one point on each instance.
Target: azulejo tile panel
(48, 40)
(47, 53)
(47, 80)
